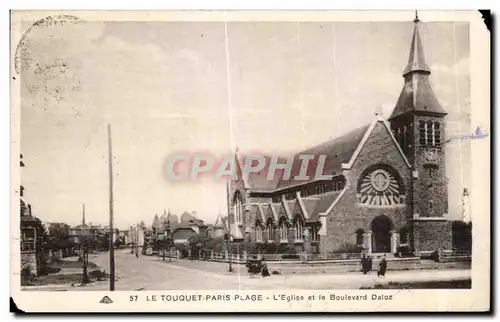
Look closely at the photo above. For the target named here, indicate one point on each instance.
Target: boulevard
(148, 273)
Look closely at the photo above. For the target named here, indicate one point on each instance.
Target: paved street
(151, 273)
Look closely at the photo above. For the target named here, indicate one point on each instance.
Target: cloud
(460, 68)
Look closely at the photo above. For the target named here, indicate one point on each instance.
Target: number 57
(133, 298)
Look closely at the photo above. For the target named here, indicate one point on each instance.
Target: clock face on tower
(430, 155)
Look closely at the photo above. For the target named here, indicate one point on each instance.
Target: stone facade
(348, 215)
(29, 260)
(432, 235)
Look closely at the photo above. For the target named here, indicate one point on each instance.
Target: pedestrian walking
(364, 264)
(382, 267)
(369, 264)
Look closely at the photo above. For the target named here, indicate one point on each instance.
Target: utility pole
(111, 229)
(229, 242)
(137, 241)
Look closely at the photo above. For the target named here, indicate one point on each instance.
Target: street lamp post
(229, 237)
(133, 232)
(85, 257)
(167, 239)
(137, 241)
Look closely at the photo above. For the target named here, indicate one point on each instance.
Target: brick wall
(347, 216)
(432, 235)
(29, 259)
(428, 187)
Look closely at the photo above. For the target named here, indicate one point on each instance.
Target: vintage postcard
(260, 161)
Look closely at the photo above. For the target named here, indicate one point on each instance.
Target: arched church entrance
(381, 234)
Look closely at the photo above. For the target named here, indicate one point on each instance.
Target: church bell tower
(417, 122)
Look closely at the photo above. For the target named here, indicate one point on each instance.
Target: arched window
(437, 135)
(314, 233)
(258, 231)
(422, 131)
(283, 230)
(270, 229)
(380, 185)
(238, 207)
(298, 226)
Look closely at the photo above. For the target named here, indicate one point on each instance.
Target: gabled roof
(322, 205)
(254, 212)
(365, 138)
(289, 205)
(295, 208)
(262, 212)
(270, 211)
(219, 222)
(280, 210)
(307, 205)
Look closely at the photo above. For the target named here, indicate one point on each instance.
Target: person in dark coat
(369, 264)
(382, 267)
(364, 264)
(265, 270)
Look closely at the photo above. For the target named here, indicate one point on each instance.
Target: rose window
(380, 188)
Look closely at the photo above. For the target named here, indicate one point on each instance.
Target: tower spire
(416, 61)
(83, 214)
(417, 94)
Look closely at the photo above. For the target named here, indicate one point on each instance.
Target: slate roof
(315, 207)
(257, 181)
(338, 150)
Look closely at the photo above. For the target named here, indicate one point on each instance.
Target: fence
(302, 257)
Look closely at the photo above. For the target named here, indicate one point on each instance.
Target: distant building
(84, 230)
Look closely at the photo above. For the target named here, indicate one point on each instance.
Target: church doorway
(381, 234)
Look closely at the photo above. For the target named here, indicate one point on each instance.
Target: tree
(58, 236)
(197, 243)
(462, 236)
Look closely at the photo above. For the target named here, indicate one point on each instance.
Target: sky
(165, 88)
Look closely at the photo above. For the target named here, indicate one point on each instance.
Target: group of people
(367, 262)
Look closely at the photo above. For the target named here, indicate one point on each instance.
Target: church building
(388, 189)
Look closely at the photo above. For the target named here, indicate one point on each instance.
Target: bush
(26, 275)
(292, 254)
(270, 248)
(348, 249)
(403, 251)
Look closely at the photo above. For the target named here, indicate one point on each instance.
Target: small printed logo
(106, 300)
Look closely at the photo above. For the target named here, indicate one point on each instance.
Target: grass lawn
(70, 264)
(423, 285)
(48, 276)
